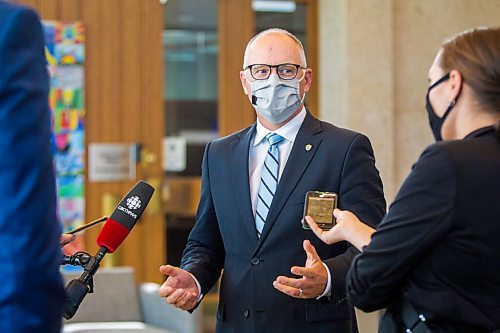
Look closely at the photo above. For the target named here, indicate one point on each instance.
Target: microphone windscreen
(131, 207)
(112, 235)
(125, 216)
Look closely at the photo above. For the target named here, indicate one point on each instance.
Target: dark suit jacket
(439, 245)
(224, 236)
(31, 290)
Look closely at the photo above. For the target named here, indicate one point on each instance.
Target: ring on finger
(301, 292)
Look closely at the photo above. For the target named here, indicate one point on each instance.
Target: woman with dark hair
(434, 260)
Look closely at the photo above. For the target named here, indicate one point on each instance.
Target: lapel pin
(308, 147)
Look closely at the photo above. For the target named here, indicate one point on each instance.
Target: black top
(438, 247)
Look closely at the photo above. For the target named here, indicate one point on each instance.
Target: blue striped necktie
(268, 181)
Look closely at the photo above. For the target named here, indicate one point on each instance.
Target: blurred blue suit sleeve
(31, 290)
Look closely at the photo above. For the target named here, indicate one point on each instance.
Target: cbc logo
(134, 202)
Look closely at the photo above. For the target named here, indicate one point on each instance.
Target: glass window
(288, 15)
(191, 50)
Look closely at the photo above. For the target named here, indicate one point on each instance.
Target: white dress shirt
(258, 151)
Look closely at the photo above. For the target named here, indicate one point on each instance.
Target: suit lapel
(239, 176)
(304, 148)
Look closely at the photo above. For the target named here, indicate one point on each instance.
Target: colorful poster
(65, 52)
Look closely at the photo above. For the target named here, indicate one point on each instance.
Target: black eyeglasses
(263, 71)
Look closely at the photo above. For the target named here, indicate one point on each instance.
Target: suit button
(246, 313)
(255, 261)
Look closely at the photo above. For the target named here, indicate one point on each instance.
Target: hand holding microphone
(69, 236)
(66, 239)
(113, 233)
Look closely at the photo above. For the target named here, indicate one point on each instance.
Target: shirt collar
(288, 131)
(480, 132)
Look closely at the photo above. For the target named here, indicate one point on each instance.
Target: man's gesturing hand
(180, 289)
(313, 278)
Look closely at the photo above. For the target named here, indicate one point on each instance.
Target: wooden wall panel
(70, 10)
(130, 111)
(312, 55)
(111, 53)
(109, 45)
(91, 16)
(124, 103)
(152, 122)
(49, 9)
(31, 3)
(236, 27)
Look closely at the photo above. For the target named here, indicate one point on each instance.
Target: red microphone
(112, 234)
(125, 216)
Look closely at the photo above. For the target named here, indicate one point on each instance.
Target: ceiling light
(274, 6)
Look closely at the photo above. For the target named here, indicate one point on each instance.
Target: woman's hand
(348, 227)
(334, 235)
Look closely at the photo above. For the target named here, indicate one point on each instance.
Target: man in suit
(249, 216)
(31, 292)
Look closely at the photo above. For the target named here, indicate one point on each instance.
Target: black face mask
(436, 122)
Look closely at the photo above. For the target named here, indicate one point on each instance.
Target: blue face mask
(434, 120)
(276, 99)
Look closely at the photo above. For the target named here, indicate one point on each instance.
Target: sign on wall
(111, 162)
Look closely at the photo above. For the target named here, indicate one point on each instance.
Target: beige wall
(356, 62)
(374, 56)
(421, 26)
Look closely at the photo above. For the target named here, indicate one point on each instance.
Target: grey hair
(275, 31)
